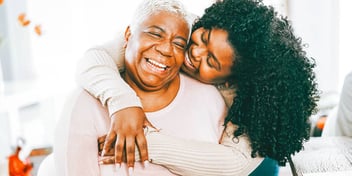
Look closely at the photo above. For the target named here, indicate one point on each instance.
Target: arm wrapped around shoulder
(187, 157)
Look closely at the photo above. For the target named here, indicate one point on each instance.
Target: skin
(202, 44)
(210, 56)
(278, 29)
(154, 56)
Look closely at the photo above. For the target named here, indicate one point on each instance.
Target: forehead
(221, 47)
(166, 20)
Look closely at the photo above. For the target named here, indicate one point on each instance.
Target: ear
(127, 35)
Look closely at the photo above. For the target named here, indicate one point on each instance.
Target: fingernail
(146, 164)
(103, 153)
(130, 171)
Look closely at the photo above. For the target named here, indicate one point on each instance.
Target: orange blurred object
(22, 19)
(321, 122)
(38, 30)
(18, 167)
(1, 2)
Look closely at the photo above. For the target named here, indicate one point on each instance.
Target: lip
(153, 66)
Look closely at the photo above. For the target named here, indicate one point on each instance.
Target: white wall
(70, 27)
(316, 21)
(16, 56)
(345, 31)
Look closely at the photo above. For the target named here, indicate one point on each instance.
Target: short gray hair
(149, 7)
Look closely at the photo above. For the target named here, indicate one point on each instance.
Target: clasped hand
(126, 132)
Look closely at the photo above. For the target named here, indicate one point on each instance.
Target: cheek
(207, 74)
(180, 57)
(207, 78)
(204, 68)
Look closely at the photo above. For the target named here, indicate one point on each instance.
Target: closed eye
(213, 63)
(204, 37)
(180, 45)
(154, 34)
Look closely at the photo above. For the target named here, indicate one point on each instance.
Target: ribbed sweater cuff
(120, 102)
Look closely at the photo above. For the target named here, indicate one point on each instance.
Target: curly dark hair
(275, 84)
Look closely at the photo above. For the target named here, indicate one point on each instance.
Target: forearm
(98, 73)
(185, 157)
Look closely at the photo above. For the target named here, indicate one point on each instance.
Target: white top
(98, 73)
(191, 116)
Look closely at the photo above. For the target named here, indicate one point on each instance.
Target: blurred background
(41, 41)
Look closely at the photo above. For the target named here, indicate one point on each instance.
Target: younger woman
(240, 44)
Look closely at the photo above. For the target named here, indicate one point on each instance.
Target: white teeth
(155, 63)
(158, 68)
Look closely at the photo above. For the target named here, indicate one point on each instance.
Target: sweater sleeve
(195, 158)
(98, 72)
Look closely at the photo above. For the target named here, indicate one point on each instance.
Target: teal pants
(268, 167)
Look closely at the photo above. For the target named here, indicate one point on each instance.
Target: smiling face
(210, 56)
(155, 50)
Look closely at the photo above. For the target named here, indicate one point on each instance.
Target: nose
(165, 48)
(199, 53)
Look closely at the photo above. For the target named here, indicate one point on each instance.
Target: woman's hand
(109, 157)
(126, 131)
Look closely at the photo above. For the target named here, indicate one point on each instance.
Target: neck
(154, 100)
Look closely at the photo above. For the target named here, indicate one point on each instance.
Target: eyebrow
(215, 58)
(162, 30)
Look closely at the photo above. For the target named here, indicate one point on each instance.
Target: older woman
(154, 53)
(244, 44)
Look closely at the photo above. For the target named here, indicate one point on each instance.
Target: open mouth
(157, 65)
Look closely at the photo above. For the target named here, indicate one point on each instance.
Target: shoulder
(82, 113)
(81, 105)
(193, 84)
(205, 92)
(86, 103)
